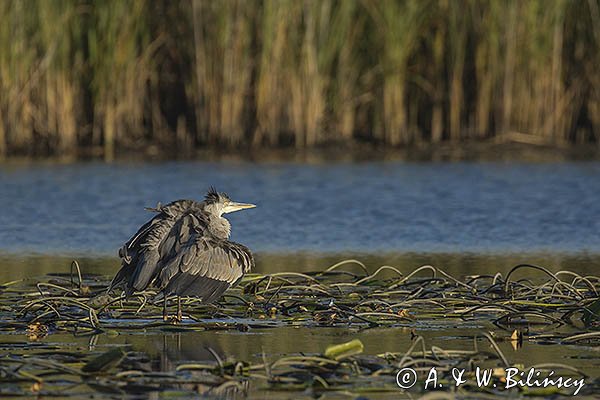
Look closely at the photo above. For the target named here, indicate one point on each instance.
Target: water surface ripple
(93, 208)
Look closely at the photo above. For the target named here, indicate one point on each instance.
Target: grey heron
(185, 250)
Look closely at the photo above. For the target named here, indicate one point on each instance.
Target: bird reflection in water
(171, 350)
(163, 353)
(174, 349)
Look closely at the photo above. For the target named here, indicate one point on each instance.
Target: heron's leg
(179, 314)
(165, 316)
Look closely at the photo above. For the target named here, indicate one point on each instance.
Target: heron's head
(220, 203)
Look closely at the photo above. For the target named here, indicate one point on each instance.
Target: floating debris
(344, 350)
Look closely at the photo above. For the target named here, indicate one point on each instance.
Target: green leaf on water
(340, 351)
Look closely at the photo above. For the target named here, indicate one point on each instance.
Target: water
(372, 207)
(463, 217)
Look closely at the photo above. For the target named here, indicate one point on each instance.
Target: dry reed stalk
(509, 68)
(458, 31)
(437, 87)
(237, 67)
(269, 86)
(340, 56)
(399, 25)
(223, 68)
(488, 20)
(308, 98)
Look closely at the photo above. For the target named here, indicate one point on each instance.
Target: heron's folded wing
(205, 269)
(133, 251)
(157, 239)
(164, 243)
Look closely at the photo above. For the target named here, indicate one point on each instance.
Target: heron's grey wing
(155, 240)
(164, 243)
(129, 252)
(205, 268)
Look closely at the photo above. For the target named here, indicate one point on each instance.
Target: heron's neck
(220, 227)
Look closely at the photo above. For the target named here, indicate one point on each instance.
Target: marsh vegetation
(491, 320)
(102, 77)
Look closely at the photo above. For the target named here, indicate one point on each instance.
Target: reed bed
(80, 77)
(345, 295)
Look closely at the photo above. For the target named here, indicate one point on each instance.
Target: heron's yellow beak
(233, 206)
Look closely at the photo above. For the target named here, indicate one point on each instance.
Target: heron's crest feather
(212, 196)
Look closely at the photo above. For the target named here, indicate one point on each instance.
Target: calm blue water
(93, 208)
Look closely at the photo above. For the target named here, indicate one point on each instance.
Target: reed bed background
(122, 75)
